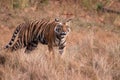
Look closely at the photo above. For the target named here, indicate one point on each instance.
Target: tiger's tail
(16, 32)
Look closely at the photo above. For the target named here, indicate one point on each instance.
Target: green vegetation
(99, 6)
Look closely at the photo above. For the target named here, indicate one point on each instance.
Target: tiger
(51, 33)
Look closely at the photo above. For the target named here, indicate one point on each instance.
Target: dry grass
(94, 55)
(92, 52)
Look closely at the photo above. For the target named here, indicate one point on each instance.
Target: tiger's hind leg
(31, 46)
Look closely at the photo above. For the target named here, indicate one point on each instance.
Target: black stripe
(61, 47)
(10, 43)
(7, 46)
(63, 43)
(12, 39)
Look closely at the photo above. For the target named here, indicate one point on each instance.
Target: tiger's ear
(56, 20)
(68, 22)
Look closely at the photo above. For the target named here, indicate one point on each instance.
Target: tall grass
(93, 55)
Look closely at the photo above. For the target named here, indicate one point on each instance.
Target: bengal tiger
(52, 33)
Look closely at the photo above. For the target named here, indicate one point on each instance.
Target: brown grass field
(92, 51)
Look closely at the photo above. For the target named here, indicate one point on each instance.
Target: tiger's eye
(59, 29)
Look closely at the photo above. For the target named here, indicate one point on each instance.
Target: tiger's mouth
(63, 34)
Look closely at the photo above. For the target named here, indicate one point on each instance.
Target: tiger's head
(62, 28)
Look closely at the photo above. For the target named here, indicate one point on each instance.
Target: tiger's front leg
(61, 49)
(51, 52)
